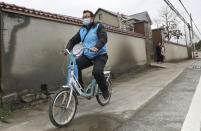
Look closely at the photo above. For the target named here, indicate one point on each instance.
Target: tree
(169, 22)
(198, 45)
(177, 34)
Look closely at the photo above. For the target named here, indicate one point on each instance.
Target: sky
(128, 7)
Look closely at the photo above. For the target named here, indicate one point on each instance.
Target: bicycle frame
(72, 79)
(63, 104)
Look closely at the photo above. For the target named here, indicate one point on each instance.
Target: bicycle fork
(71, 90)
(71, 93)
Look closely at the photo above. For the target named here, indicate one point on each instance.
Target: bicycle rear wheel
(60, 115)
(99, 95)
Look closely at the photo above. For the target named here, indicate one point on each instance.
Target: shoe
(106, 94)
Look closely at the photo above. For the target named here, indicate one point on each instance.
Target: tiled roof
(57, 17)
(108, 11)
(114, 13)
(37, 13)
(142, 16)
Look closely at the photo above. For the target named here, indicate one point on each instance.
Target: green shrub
(4, 112)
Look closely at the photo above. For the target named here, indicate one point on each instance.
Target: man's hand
(65, 52)
(94, 49)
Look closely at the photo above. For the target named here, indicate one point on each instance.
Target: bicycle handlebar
(67, 51)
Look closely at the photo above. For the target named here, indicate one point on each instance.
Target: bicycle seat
(107, 73)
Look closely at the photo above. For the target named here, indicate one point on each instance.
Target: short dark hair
(90, 12)
(158, 42)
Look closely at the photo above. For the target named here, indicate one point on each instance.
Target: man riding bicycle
(93, 36)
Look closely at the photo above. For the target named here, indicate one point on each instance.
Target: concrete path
(193, 118)
(167, 112)
(130, 94)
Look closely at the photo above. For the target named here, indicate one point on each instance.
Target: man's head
(88, 17)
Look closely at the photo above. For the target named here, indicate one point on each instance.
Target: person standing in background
(162, 52)
(158, 52)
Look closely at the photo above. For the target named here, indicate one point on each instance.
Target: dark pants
(98, 69)
(158, 57)
(162, 58)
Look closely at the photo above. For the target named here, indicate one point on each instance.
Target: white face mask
(86, 21)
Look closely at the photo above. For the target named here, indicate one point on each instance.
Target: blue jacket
(96, 37)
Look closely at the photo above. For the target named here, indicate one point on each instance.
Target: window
(100, 16)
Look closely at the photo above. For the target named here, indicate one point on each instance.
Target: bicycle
(63, 104)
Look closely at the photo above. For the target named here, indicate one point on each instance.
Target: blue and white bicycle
(63, 104)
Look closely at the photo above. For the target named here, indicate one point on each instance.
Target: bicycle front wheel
(59, 114)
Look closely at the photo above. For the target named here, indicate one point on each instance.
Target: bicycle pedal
(100, 92)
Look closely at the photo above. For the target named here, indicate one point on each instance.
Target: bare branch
(169, 22)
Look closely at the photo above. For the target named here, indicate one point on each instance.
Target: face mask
(86, 21)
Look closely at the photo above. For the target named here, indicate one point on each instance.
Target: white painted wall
(32, 52)
(175, 52)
